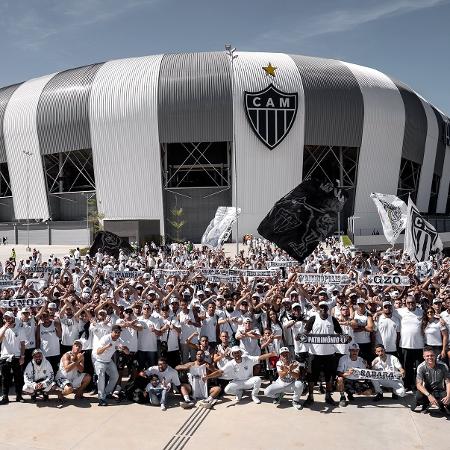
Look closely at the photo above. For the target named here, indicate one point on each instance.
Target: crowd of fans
(157, 324)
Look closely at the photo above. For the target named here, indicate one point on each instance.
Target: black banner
(109, 243)
(303, 218)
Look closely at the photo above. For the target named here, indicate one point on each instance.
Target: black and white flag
(392, 212)
(219, 229)
(421, 238)
(303, 218)
(109, 243)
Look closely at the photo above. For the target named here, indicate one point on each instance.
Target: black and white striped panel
(415, 124)
(195, 101)
(63, 111)
(440, 149)
(334, 106)
(5, 95)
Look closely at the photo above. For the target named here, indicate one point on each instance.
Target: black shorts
(325, 364)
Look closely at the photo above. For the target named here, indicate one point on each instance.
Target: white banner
(388, 280)
(223, 279)
(323, 278)
(8, 283)
(282, 263)
(392, 212)
(38, 269)
(368, 374)
(170, 272)
(219, 229)
(125, 274)
(421, 238)
(22, 302)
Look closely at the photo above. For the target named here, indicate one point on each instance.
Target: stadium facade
(147, 136)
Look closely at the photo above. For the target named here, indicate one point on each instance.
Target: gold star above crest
(270, 70)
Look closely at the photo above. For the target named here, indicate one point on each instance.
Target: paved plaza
(83, 425)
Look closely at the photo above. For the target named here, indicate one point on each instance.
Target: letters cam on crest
(271, 114)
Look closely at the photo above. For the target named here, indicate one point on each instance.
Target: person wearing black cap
(323, 354)
(12, 356)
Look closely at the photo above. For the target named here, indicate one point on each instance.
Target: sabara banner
(22, 302)
(219, 229)
(303, 218)
(368, 374)
(388, 280)
(323, 278)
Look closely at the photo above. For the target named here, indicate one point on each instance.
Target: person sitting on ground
(197, 388)
(387, 363)
(433, 384)
(347, 382)
(39, 378)
(241, 371)
(70, 376)
(156, 391)
(288, 380)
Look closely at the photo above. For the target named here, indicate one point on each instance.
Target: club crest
(271, 114)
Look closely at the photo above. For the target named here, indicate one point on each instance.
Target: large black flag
(109, 243)
(303, 218)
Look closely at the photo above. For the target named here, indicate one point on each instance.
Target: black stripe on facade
(63, 111)
(334, 105)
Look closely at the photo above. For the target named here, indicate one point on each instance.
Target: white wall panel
(264, 175)
(20, 133)
(382, 142)
(426, 173)
(125, 143)
(444, 184)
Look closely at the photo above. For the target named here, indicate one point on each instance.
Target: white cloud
(346, 19)
(35, 26)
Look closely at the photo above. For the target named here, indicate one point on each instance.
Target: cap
(37, 350)
(200, 293)
(284, 350)
(387, 303)
(9, 314)
(236, 349)
(24, 310)
(255, 294)
(323, 292)
(207, 289)
(297, 305)
(322, 303)
(248, 320)
(259, 285)
(286, 300)
(436, 300)
(151, 292)
(294, 293)
(353, 346)
(174, 300)
(186, 293)
(52, 306)
(360, 301)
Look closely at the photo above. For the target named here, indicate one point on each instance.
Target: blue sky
(407, 39)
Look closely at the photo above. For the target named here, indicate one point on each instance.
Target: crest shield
(271, 114)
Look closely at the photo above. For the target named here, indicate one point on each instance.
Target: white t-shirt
(322, 326)
(98, 330)
(289, 378)
(70, 330)
(209, 324)
(240, 371)
(392, 364)
(171, 337)
(387, 329)
(11, 341)
(361, 337)
(169, 375)
(249, 345)
(411, 328)
(49, 340)
(29, 329)
(109, 352)
(130, 338)
(147, 339)
(345, 363)
(433, 334)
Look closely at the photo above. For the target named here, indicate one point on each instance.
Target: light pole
(28, 155)
(230, 51)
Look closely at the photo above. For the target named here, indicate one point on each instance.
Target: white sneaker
(256, 399)
(163, 407)
(204, 404)
(297, 405)
(238, 397)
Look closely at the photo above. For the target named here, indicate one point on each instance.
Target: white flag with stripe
(421, 238)
(219, 228)
(393, 213)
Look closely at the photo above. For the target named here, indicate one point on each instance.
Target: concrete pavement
(84, 425)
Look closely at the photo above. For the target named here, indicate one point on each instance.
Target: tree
(177, 223)
(94, 216)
